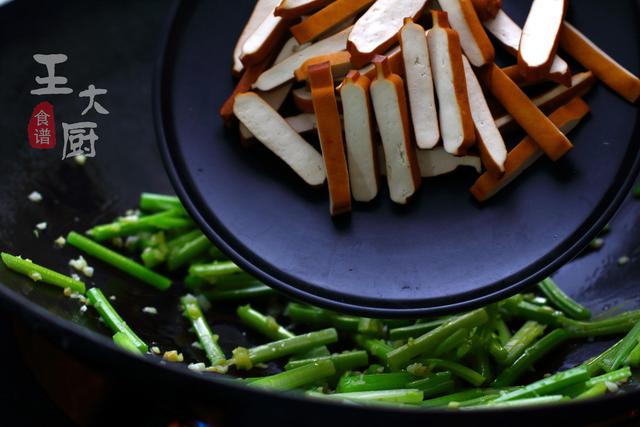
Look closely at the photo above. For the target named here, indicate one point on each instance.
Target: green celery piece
(548, 385)
(298, 377)
(400, 357)
(113, 319)
(39, 273)
(118, 261)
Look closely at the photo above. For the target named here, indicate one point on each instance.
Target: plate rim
(278, 279)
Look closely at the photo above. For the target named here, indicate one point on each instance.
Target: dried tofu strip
(492, 148)
(284, 72)
(390, 106)
(419, 80)
(487, 9)
(303, 123)
(330, 135)
(302, 99)
(438, 162)
(273, 131)
(275, 97)
(340, 64)
(513, 73)
(325, 19)
(602, 65)
(527, 151)
(291, 9)
(581, 83)
(359, 139)
(259, 45)
(540, 36)
(473, 39)
(395, 60)
(249, 76)
(261, 11)
(508, 33)
(528, 116)
(377, 29)
(456, 123)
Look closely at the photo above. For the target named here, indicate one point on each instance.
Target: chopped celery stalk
(39, 273)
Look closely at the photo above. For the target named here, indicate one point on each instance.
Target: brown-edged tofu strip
(437, 162)
(330, 135)
(377, 29)
(395, 60)
(392, 116)
(327, 18)
(249, 76)
(275, 97)
(261, 10)
(456, 123)
(581, 83)
(291, 9)
(474, 41)
(603, 66)
(259, 44)
(283, 72)
(513, 73)
(358, 134)
(303, 123)
(540, 35)
(487, 9)
(527, 151)
(528, 116)
(302, 99)
(508, 33)
(340, 64)
(492, 148)
(422, 100)
(273, 131)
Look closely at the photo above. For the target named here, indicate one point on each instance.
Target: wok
(120, 57)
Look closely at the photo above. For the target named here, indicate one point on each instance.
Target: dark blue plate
(444, 251)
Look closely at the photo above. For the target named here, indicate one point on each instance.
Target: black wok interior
(76, 197)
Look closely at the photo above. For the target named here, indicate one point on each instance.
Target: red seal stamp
(42, 127)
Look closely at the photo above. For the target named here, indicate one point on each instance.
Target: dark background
(92, 34)
(113, 45)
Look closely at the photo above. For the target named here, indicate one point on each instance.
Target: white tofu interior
(505, 30)
(303, 123)
(284, 71)
(541, 31)
(451, 127)
(438, 162)
(262, 9)
(273, 131)
(459, 23)
(359, 142)
(419, 82)
(275, 97)
(261, 34)
(382, 22)
(385, 105)
(508, 33)
(293, 4)
(490, 136)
